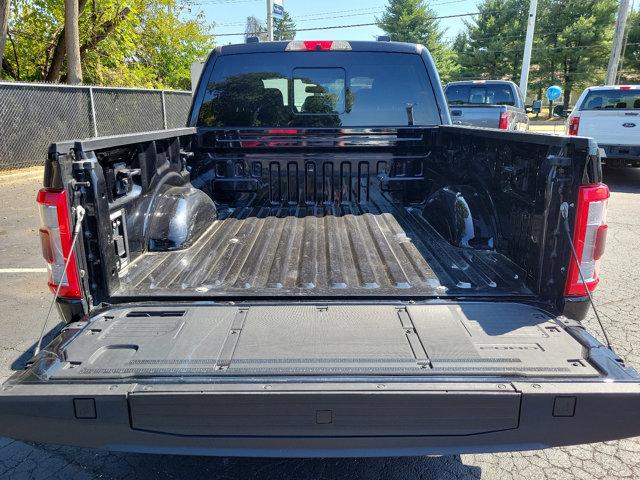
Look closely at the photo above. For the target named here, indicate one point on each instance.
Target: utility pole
(528, 44)
(270, 20)
(618, 40)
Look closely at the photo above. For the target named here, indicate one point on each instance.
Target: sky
(230, 15)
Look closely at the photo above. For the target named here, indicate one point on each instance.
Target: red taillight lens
(589, 237)
(282, 131)
(318, 44)
(56, 237)
(504, 121)
(574, 124)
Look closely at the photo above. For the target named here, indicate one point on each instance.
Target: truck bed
(352, 249)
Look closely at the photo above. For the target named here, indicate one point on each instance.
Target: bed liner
(376, 248)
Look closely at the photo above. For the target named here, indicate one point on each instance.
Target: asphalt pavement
(24, 299)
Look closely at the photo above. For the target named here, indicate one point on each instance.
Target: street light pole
(618, 40)
(270, 20)
(528, 44)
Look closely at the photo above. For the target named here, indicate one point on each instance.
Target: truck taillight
(56, 238)
(317, 45)
(589, 237)
(574, 124)
(504, 121)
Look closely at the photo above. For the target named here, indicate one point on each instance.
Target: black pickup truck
(322, 265)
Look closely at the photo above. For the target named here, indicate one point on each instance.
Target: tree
(575, 42)
(4, 26)
(630, 69)
(284, 28)
(492, 45)
(143, 43)
(255, 28)
(571, 44)
(413, 21)
(167, 47)
(72, 41)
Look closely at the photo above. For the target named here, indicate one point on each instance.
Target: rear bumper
(321, 419)
(621, 155)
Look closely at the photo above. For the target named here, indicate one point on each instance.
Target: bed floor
(372, 249)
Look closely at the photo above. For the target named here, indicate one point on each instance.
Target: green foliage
(492, 46)
(413, 21)
(284, 28)
(572, 43)
(631, 62)
(145, 43)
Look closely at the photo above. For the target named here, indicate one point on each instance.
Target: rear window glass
(318, 89)
(611, 100)
(490, 94)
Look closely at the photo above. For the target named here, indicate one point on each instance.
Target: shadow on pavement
(623, 180)
(20, 362)
(104, 465)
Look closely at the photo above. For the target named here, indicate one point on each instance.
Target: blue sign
(554, 92)
(278, 10)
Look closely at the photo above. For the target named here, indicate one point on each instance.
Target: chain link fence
(32, 116)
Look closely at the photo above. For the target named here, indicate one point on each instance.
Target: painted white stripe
(23, 270)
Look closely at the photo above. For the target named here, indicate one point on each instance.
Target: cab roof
(614, 87)
(356, 46)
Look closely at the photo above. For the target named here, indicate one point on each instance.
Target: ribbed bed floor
(372, 249)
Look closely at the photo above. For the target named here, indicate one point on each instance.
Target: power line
(577, 47)
(353, 25)
(323, 15)
(304, 20)
(223, 2)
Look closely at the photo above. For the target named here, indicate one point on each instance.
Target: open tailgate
(322, 380)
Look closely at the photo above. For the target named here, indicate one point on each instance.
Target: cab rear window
(612, 100)
(481, 94)
(318, 89)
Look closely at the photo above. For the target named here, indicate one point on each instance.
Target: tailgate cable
(564, 211)
(80, 211)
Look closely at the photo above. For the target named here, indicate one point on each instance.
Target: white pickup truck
(610, 115)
